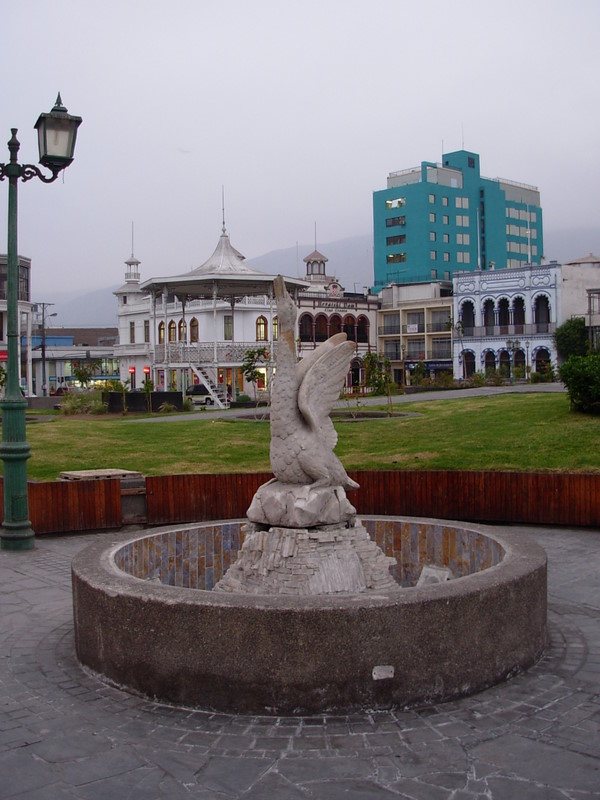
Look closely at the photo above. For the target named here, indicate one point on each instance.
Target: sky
(296, 109)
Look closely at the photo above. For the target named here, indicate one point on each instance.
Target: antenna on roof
(132, 239)
(223, 205)
(315, 235)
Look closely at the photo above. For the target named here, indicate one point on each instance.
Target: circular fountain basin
(146, 619)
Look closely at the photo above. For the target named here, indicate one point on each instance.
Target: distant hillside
(350, 260)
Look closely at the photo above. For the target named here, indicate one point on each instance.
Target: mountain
(92, 309)
(350, 260)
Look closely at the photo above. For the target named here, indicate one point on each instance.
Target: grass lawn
(532, 432)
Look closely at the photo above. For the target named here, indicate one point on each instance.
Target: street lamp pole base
(22, 539)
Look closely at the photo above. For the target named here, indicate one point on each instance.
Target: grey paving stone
(66, 734)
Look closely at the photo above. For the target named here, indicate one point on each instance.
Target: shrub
(74, 404)
(167, 408)
(581, 376)
(98, 407)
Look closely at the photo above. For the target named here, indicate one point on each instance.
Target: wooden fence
(496, 497)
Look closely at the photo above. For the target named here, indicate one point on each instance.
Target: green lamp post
(57, 132)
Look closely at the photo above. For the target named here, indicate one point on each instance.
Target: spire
(132, 273)
(223, 206)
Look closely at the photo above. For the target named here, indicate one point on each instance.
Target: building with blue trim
(436, 219)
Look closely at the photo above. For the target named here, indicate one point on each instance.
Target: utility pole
(44, 306)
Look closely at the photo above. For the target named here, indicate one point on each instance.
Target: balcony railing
(180, 353)
(531, 329)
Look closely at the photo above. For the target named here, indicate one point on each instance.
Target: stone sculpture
(302, 537)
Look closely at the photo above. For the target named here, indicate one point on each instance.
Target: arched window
(542, 360)
(194, 330)
(468, 363)
(335, 324)
(362, 330)
(262, 329)
(321, 328)
(519, 314)
(542, 313)
(172, 331)
(181, 329)
(505, 363)
(489, 363)
(275, 329)
(488, 316)
(468, 318)
(161, 332)
(349, 327)
(503, 316)
(305, 328)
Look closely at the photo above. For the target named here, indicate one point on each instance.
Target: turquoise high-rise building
(436, 219)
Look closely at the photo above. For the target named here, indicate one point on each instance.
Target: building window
(161, 332)
(172, 331)
(182, 328)
(124, 300)
(392, 240)
(262, 329)
(446, 238)
(392, 222)
(132, 333)
(432, 236)
(462, 202)
(462, 220)
(463, 238)
(446, 256)
(275, 329)
(431, 216)
(471, 162)
(432, 198)
(463, 258)
(444, 201)
(146, 330)
(228, 327)
(445, 219)
(395, 258)
(433, 255)
(398, 202)
(194, 330)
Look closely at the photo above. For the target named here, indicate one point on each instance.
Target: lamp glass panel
(59, 138)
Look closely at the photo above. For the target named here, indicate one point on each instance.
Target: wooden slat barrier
(511, 497)
(70, 506)
(185, 498)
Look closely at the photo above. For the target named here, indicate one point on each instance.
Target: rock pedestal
(304, 540)
(308, 561)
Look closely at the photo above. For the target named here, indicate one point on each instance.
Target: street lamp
(57, 132)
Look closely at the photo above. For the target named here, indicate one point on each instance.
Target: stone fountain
(313, 615)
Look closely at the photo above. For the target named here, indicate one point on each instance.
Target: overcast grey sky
(299, 108)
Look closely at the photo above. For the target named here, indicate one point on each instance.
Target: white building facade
(197, 327)
(505, 320)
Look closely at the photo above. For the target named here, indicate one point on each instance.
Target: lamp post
(57, 132)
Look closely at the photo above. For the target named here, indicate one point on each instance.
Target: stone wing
(321, 387)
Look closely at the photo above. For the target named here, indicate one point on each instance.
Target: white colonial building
(505, 319)
(196, 327)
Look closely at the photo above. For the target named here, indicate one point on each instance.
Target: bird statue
(302, 434)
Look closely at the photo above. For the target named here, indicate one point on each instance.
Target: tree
(84, 371)
(250, 366)
(572, 338)
(378, 376)
(581, 376)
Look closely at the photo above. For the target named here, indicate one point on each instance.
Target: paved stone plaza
(65, 734)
